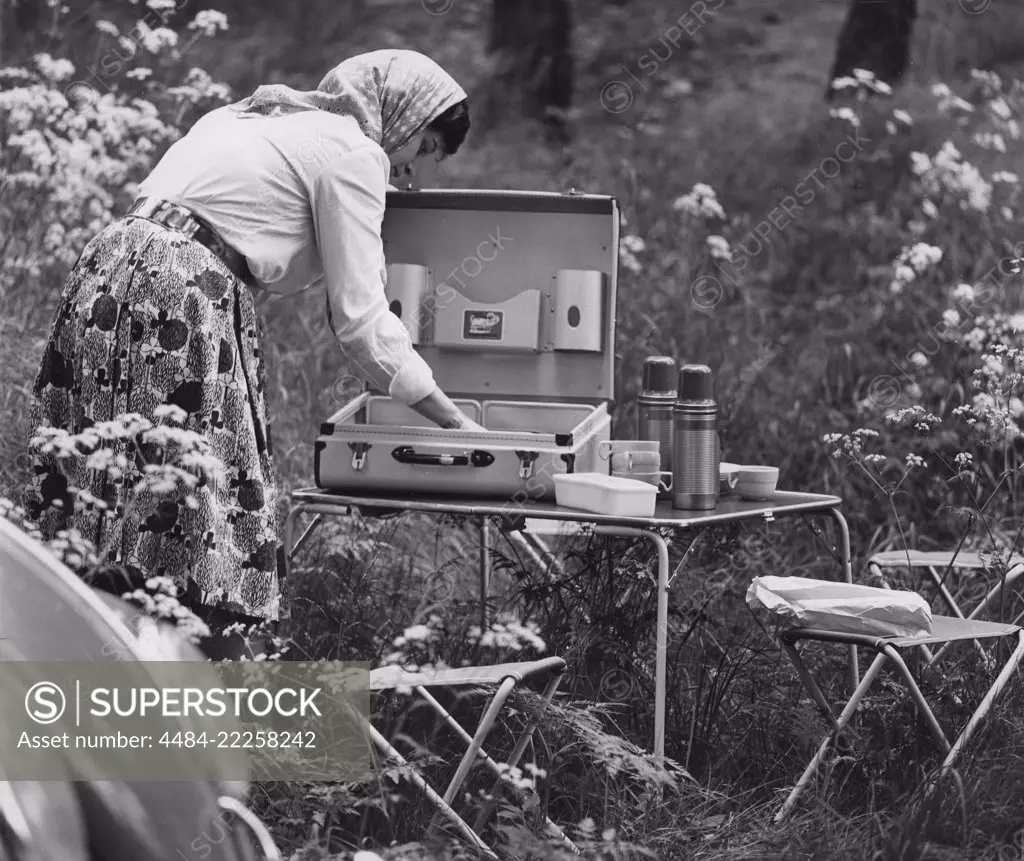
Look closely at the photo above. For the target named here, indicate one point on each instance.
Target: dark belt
(178, 218)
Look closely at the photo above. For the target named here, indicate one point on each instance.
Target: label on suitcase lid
(481, 325)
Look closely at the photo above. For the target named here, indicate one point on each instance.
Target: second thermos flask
(656, 405)
(695, 469)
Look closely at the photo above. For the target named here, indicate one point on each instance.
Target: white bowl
(605, 494)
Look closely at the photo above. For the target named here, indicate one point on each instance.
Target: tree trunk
(531, 45)
(22, 30)
(876, 37)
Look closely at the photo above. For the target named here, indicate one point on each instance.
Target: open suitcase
(510, 298)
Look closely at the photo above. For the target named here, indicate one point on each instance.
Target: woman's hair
(453, 126)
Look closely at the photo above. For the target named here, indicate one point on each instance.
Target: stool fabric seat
(945, 629)
(391, 677)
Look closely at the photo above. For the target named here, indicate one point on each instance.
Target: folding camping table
(512, 516)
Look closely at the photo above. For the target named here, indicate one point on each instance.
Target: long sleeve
(348, 198)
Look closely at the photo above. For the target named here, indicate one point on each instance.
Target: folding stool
(945, 629)
(934, 563)
(505, 677)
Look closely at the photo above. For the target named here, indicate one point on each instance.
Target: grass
(753, 128)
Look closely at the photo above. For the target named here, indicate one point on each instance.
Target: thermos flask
(695, 468)
(655, 406)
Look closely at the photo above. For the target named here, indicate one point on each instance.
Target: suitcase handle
(407, 454)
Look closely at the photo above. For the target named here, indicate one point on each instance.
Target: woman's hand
(464, 422)
(440, 409)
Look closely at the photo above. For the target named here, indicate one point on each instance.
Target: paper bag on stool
(802, 602)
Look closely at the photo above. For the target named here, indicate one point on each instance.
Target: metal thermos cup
(656, 404)
(695, 469)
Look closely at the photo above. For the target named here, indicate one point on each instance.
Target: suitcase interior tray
(508, 424)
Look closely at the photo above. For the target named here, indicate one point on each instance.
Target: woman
(281, 192)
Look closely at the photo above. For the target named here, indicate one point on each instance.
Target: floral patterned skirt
(149, 318)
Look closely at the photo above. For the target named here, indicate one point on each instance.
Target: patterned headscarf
(392, 94)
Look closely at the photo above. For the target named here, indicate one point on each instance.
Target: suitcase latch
(359, 450)
(526, 459)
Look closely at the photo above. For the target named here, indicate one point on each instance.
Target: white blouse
(302, 197)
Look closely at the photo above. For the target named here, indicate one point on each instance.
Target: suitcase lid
(482, 248)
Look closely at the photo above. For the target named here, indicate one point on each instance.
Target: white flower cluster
(413, 648)
(997, 408)
(54, 70)
(587, 829)
(964, 461)
(845, 113)
(1000, 109)
(155, 39)
(209, 22)
(912, 262)
(948, 173)
(629, 246)
(988, 84)
(864, 82)
(997, 422)
(74, 550)
(72, 154)
(65, 168)
(990, 140)
(700, 202)
(186, 460)
(851, 445)
(159, 600)
(990, 333)
(509, 635)
(524, 779)
(418, 634)
(1002, 118)
(916, 417)
(719, 247)
(949, 102)
(198, 86)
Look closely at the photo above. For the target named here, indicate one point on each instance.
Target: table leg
(847, 563)
(485, 569)
(661, 632)
(661, 646)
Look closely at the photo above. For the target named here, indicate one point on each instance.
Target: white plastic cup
(650, 476)
(609, 448)
(635, 461)
(728, 476)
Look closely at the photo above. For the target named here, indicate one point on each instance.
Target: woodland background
(844, 266)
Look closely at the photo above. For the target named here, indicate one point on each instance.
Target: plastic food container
(605, 494)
